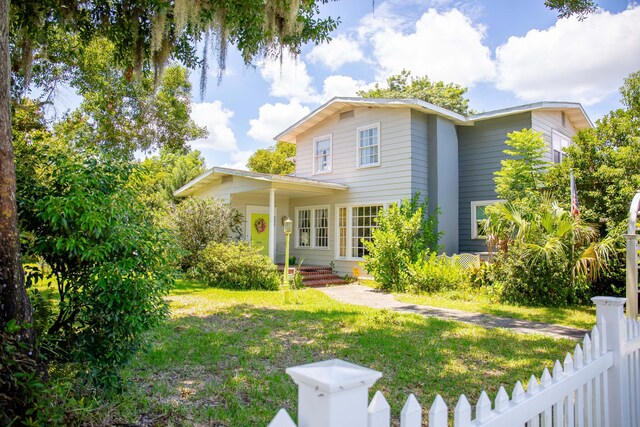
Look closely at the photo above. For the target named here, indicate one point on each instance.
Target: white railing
(632, 258)
(599, 385)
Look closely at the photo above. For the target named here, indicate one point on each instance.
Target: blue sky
(508, 52)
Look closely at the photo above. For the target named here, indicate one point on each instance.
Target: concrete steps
(316, 276)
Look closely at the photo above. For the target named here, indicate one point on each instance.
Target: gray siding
(480, 152)
(419, 154)
(546, 122)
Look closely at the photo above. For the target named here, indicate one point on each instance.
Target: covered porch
(264, 200)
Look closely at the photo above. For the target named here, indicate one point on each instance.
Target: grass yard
(220, 359)
(582, 317)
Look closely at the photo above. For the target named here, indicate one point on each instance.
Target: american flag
(575, 209)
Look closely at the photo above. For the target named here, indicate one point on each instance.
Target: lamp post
(288, 228)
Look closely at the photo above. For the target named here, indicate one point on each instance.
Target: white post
(333, 393)
(272, 224)
(632, 275)
(611, 310)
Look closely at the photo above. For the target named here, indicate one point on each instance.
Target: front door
(258, 227)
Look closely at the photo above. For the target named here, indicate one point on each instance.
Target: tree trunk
(14, 303)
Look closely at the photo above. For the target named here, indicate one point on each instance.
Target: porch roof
(287, 182)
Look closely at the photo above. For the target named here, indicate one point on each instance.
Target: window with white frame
(478, 215)
(559, 142)
(355, 224)
(312, 228)
(322, 146)
(368, 145)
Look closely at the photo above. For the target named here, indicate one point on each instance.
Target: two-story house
(355, 156)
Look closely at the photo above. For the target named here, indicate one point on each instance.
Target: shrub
(519, 281)
(434, 274)
(405, 233)
(200, 221)
(112, 266)
(236, 265)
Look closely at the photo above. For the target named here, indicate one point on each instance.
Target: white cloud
(288, 79)
(574, 60)
(341, 86)
(339, 51)
(274, 118)
(445, 46)
(238, 160)
(216, 119)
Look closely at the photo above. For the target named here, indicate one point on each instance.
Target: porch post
(272, 224)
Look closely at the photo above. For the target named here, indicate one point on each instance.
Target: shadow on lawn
(230, 365)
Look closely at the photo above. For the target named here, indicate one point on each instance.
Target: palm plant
(548, 237)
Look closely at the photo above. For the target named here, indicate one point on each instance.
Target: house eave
(216, 172)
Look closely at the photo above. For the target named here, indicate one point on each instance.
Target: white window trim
(563, 138)
(474, 220)
(312, 237)
(313, 155)
(349, 207)
(370, 165)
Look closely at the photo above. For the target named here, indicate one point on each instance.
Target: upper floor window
(559, 142)
(322, 154)
(369, 145)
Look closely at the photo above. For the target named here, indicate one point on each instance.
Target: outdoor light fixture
(288, 228)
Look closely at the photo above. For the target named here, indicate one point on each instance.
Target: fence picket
(569, 401)
(532, 390)
(545, 382)
(558, 408)
(379, 411)
(411, 414)
(518, 393)
(438, 413)
(462, 413)
(282, 419)
(483, 407)
(502, 400)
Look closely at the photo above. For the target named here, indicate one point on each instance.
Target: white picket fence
(599, 385)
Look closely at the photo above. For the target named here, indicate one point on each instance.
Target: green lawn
(582, 317)
(220, 359)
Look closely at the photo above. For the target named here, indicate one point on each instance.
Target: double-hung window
(322, 147)
(312, 227)
(478, 215)
(355, 225)
(559, 142)
(368, 145)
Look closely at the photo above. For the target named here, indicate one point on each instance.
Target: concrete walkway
(362, 295)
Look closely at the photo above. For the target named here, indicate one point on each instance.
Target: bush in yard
(109, 263)
(236, 265)
(404, 235)
(549, 257)
(200, 221)
(433, 274)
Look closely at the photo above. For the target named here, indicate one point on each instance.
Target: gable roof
(574, 111)
(216, 172)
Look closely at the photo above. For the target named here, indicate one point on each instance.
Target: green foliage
(199, 222)
(521, 174)
(237, 265)
(567, 8)
(273, 160)
(548, 257)
(404, 235)
(20, 380)
(403, 85)
(111, 264)
(433, 274)
(118, 116)
(606, 166)
(164, 174)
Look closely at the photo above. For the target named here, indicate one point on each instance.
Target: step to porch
(314, 276)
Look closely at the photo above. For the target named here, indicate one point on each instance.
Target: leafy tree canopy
(403, 85)
(274, 160)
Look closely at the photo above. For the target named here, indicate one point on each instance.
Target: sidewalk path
(362, 295)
